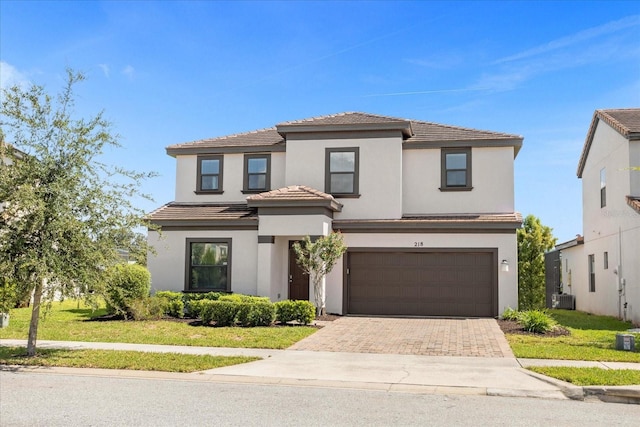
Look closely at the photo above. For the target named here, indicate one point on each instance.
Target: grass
(592, 338)
(591, 376)
(111, 359)
(71, 321)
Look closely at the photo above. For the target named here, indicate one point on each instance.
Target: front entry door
(298, 279)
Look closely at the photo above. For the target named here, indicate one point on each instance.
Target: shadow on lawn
(587, 321)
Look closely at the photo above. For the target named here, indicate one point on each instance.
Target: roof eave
(402, 125)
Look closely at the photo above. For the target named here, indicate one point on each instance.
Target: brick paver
(431, 337)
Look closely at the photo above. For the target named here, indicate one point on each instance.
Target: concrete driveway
(416, 336)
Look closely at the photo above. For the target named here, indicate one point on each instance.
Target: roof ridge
(342, 114)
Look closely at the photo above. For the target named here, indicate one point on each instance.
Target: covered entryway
(443, 282)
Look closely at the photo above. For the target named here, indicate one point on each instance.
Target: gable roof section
(417, 134)
(626, 121)
(294, 196)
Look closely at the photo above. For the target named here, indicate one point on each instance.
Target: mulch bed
(513, 327)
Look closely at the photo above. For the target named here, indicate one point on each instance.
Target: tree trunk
(35, 318)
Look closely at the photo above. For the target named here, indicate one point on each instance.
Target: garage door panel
(434, 283)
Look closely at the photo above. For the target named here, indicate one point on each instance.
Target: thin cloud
(579, 37)
(129, 71)
(426, 92)
(105, 69)
(10, 76)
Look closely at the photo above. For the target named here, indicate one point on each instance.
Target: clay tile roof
(344, 118)
(434, 132)
(626, 121)
(414, 131)
(202, 212)
(502, 221)
(634, 202)
(294, 195)
(256, 138)
(292, 192)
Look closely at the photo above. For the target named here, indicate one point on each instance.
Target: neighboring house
(602, 269)
(426, 210)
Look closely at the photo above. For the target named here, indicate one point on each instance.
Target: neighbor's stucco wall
(492, 178)
(634, 162)
(168, 267)
(380, 166)
(505, 243)
(614, 229)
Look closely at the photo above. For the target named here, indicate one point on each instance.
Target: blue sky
(169, 72)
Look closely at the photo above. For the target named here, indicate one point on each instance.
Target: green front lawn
(68, 321)
(590, 376)
(109, 359)
(592, 338)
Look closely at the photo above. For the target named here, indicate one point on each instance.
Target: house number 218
(418, 244)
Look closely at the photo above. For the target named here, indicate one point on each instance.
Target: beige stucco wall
(492, 181)
(168, 265)
(232, 180)
(505, 243)
(291, 225)
(380, 168)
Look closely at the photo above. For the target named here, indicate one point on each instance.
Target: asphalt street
(45, 399)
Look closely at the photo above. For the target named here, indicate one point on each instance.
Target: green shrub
(301, 311)
(194, 308)
(536, 321)
(148, 308)
(510, 314)
(285, 311)
(305, 312)
(126, 283)
(256, 313)
(223, 313)
(174, 305)
(240, 298)
(197, 296)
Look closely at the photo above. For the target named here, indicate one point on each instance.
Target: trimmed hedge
(230, 313)
(174, 305)
(301, 311)
(223, 313)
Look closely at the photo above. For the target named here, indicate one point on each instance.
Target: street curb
(571, 391)
(614, 394)
(609, 394)
(291, 382)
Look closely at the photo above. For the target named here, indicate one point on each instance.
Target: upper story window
(455, 169)
(603, 188)
(257, 173)
(209, 174)
(341, 171)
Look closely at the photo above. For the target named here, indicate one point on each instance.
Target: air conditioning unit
(563, 301)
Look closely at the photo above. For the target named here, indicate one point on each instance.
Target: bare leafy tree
(317, 260)
(63, 210)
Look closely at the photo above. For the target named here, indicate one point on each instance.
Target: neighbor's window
(592, 273)
(210, 174)
(605, 258)
(208, 265)
(455, 169)
(341, 177)
(257, 172)
(603, 188)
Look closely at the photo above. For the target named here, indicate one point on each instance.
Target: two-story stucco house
(426, 210)
(602, 268)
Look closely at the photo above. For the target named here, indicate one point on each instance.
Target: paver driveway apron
(418, 336)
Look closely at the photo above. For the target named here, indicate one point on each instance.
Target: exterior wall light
(504, 265)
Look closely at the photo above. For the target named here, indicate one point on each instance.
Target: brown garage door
(426, 283)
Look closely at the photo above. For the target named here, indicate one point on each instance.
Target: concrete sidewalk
(400, 373)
